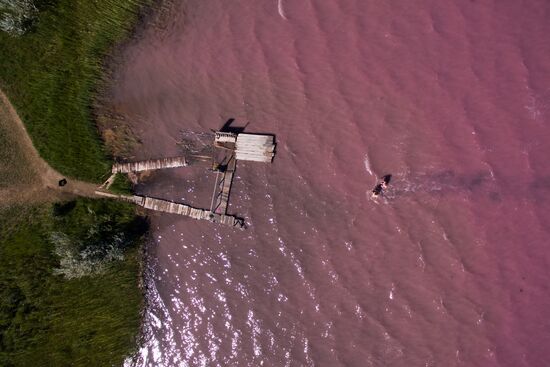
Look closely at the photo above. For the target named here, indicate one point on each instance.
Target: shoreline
(116, 131)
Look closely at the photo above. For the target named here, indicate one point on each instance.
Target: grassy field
(52, 72)
(47, 319)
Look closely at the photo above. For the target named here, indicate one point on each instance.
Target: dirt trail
(41, 182)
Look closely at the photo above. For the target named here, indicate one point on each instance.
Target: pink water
(451, 268)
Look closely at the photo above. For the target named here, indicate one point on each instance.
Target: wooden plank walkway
(150, 164)
(176, 208)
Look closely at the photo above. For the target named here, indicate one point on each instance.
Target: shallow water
(450, 268)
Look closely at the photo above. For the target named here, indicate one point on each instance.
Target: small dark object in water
(217, 167)
(385, 181)
(377, 190)
(62, 182)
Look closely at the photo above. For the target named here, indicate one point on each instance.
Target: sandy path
(43, 184)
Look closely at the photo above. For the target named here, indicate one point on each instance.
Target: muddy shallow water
(450, 268)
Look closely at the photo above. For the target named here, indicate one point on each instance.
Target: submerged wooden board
(222, 187)
(224, 193)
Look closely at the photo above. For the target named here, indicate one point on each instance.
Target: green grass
(121, 185)
(48, 320)
(52, 72)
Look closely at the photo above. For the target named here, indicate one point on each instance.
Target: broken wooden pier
(228, 149)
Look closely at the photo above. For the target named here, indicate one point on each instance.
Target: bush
(17, 16)
(92, 234)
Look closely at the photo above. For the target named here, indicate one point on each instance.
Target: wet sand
(449, 268)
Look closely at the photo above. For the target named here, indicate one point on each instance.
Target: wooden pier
(228, 148)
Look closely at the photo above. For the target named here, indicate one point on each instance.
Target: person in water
(377, 190)
(385, 181)
(380, 187)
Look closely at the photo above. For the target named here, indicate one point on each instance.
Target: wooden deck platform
(254, 147)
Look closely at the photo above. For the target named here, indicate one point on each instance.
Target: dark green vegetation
(53, 70)
(121, 185)
(47, 319)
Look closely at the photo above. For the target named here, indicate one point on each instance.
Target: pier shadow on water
(229, 128)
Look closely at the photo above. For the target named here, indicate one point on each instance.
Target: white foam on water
(281, 10)
(366, 161)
